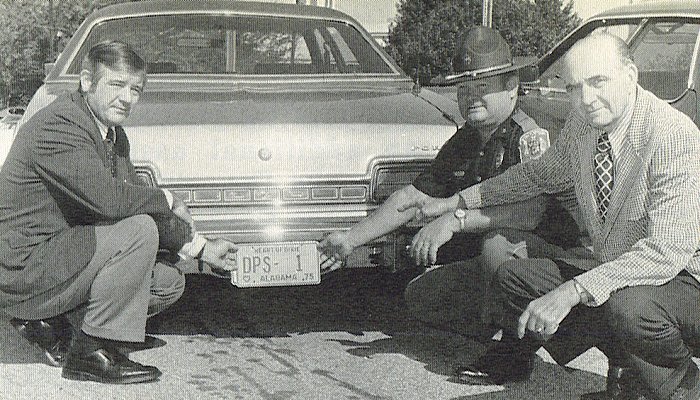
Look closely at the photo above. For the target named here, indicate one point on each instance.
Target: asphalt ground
(351, 337)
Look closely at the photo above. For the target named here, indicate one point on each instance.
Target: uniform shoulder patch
(533, 144)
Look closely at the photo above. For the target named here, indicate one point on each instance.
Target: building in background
(377, 15)
(374, 15)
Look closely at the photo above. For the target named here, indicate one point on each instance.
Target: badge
(533, 144)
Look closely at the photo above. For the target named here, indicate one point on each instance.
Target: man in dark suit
(79, 233)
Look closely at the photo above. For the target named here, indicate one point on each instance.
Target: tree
(423, 37)
(29, 37)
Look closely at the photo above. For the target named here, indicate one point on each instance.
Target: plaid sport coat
(652, 229)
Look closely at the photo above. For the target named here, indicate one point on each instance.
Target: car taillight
(388, 178)
(145, 176)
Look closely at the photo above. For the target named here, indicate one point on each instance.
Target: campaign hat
(481, 52)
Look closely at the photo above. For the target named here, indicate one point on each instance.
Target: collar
(100, 126)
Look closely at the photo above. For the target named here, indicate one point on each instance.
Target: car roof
(245, 7)
(653, 9)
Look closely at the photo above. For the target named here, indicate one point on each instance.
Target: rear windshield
(248, 45)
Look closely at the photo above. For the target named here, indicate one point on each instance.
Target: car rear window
(248, 45)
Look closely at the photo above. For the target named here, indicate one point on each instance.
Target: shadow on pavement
(353, 301)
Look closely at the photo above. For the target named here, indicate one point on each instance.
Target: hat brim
(475, 75)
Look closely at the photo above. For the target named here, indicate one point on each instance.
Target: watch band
(582, 293)
(460, 214)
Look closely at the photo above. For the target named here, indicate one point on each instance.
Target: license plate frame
(277, 264)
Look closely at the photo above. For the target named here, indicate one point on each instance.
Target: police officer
(496, 136)
(486, 145)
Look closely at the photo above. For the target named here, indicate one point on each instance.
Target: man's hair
(621, 48)
(112, 54)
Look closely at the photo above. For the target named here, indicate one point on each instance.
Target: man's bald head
(603, 43)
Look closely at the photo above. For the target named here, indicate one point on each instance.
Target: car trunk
(190, 138)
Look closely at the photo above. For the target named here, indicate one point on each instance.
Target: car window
(216, 44)
(661, 49)
(663, 54)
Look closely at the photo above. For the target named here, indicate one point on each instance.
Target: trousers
(654, 329)
(120, 287)
(460, 296)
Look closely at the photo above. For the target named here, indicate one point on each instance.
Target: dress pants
(459, 296)
(653, 329)
(120, 287)
(659, 328)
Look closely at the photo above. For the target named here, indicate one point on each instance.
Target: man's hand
(335, 248)
(220, 254)
(428, 240)
(180, 209)
(544, 315)
(429, 207)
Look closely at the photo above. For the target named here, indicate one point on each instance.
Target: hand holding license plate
(276, 264)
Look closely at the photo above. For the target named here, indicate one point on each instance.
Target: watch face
(459, 213)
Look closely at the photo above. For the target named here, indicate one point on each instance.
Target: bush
(29, 37)
(423, 36)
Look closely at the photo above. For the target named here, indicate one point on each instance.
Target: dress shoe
(689, 388)
(501, 364)
(107, 366)
(622, 383)
(52, 336)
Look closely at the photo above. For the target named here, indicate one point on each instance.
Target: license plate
(277, 264)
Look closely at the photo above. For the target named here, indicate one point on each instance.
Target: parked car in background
(275, 123)
(664, 42)
(9, 118)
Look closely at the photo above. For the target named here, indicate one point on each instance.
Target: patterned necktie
(603, 173)
(109, 148)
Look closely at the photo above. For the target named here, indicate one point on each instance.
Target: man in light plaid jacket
(633, 162)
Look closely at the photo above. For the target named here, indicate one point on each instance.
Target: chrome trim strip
(477, 71)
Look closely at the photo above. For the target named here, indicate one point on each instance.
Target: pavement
(348, 338)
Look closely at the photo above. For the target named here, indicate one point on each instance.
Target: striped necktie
(109, 148)
(603, 173)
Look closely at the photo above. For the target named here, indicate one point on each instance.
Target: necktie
(109, 148)
(603, 173)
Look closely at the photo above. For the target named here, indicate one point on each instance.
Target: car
(9, 118)
(275, 123)
(664, 43)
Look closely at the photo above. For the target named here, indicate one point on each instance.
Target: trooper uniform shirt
(464, 160)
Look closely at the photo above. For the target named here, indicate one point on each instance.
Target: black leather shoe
(501, 364)
(621, 384)
(107, 366)
(52, 336)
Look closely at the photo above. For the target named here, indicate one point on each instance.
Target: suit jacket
(54, 188)
(652, 228)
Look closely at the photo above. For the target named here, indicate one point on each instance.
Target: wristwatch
(583, 295)
(461, 216)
